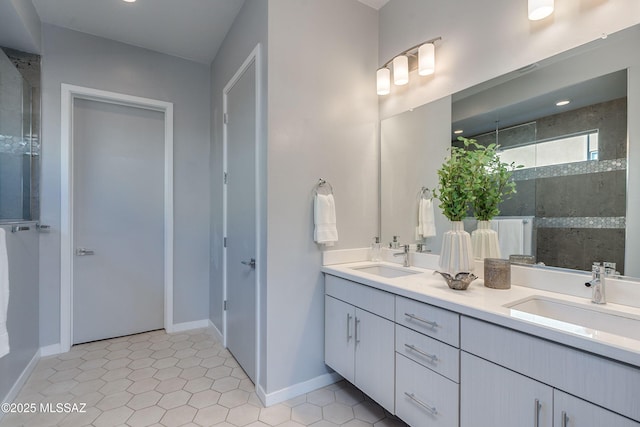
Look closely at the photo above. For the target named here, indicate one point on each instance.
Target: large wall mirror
(578, 157)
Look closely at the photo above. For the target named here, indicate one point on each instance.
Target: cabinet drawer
(365, 297)
(429, 320)
(424, 397)
(428, 352)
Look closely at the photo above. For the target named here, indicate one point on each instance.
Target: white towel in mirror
(426, 218)
(510, 236)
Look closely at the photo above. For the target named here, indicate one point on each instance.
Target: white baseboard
(296, 389)
(187, 326)
(216, 332)
(51, 350)
(24, 376)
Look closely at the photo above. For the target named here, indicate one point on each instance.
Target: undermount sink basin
(385, 270)
(576, 318)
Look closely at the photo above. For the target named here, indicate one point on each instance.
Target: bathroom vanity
(482, 357)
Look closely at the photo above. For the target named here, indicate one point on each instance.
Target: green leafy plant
(455, 183)
(492, 181)
(473, 176)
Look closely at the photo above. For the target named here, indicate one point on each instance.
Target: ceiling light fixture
(129, 1)
(563, 102)
(421, 56)
(540, 9)
(458, 131)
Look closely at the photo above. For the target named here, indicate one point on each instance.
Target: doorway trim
(68, 94)
(253, 58)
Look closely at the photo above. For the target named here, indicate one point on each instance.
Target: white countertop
(488, 304)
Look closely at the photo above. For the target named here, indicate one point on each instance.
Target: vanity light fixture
(384, 81)
(420, 56)
(427, 59)
(401, 70)
(563, 102)
(540, 9)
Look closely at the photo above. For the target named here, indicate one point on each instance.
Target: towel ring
(425, 193)
(323, 185)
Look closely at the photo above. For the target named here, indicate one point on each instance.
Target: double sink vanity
(538, 354)
(481, 357)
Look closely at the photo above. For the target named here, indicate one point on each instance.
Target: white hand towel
(4, 294)
(324, 214)
(511, 236)
(426, 218)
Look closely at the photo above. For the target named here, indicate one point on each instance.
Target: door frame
(253, 58)
(69, 93)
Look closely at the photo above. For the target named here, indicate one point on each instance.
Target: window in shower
(19, 135)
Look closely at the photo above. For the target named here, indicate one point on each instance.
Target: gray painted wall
(249, 29)
(323, 123)
(85, 60)
(22, 318)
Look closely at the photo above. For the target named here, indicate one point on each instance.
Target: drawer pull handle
(433, 357)
(429, 409)
(565, 419)
(536, 413)
(349, 336)
(420, 319)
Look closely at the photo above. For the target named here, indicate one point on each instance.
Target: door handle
(251, 263)
(84, 252)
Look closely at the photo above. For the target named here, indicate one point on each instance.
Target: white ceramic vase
(484, 241)
(456, 255)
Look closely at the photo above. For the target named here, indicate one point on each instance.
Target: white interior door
(241, 220)
(118, 220)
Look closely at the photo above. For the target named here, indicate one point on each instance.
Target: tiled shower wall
(580, 208)
(19, 135)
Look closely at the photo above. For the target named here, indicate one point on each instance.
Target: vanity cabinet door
(491, 395)
(375, 358)
(569, 411)
(339, 337)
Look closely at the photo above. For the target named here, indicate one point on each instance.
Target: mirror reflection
(572, 200)
(570, 205)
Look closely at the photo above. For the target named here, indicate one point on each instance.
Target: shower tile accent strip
(582, 222)
(577, 168)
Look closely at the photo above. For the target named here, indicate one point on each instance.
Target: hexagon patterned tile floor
(184, 379)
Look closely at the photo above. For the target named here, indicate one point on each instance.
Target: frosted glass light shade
(383, 81)
(426, 59)
(400, 70)
(540, 9)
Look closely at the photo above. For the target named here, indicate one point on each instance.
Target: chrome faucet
(599, 273)
(405, 253)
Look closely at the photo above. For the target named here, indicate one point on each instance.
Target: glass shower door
(18, 144)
